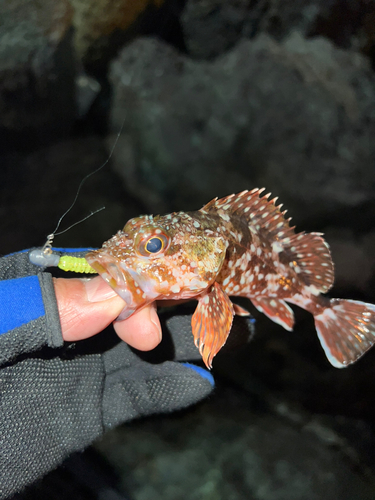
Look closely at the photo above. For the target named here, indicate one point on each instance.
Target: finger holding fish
(88, 306)
(141, 330)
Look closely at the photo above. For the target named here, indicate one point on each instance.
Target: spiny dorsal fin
(306, 251)
(311, 253)
(259, 212)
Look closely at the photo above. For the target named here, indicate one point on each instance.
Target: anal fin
(211, 322)
(240, 311)
(276, 309)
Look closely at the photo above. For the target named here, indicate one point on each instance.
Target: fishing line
(79, 222)
(44, 256)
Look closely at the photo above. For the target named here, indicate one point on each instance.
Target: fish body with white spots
(240, 245)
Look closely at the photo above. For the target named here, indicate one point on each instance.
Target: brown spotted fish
(240, 245)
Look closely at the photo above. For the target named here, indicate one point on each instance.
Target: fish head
(164, 257)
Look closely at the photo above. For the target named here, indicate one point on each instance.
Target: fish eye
(154, 245)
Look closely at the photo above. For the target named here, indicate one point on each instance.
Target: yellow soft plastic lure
(75, 264)
(45, 257)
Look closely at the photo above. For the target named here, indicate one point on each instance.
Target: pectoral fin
(211, 322)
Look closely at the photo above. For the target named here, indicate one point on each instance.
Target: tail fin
(346, 330)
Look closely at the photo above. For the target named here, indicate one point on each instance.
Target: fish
(241, 245)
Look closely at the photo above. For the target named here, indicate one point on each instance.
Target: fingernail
(97, 290)
(155, 319)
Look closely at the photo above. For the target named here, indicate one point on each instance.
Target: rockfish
(240, 245)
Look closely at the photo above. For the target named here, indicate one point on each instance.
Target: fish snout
(108, 268)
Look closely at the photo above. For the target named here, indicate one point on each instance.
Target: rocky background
(202, 98)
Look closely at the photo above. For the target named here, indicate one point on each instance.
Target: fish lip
(121, 278)
(108, 268)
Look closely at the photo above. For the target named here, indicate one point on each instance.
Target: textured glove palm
(57, 400)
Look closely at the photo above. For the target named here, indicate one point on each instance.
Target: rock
(297, 118)
(348, 24)
(228, 448)
(101, 26)
(279, 19)
(211, 27)
(37, 102)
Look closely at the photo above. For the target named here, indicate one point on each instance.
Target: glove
(57, 398)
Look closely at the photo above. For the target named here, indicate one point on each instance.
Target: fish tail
(346, 330)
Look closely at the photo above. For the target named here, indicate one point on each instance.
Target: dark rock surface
(37, 102)
(236, 452)
(101, 26)
(298, 118)
(211, 27)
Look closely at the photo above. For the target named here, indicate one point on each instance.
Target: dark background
(211, 97)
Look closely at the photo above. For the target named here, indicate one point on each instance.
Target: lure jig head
(44, 257)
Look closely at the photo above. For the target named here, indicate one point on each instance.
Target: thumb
(86, 307)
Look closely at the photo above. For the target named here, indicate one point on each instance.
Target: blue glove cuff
(21, 301)
(202, 372)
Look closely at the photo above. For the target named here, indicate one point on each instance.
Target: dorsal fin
(311, 253)
(259, 211)
(307, 252)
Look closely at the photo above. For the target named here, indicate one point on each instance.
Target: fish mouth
(132, 286)
(113, 274)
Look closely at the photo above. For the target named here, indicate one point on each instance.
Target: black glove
(57, 398)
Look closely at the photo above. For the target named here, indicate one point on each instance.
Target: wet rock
(279, 19)
(298, 118)
(348, 24)
(87, 89)
(236, 451)
(37, 100)
(101, 26)
(211, 27)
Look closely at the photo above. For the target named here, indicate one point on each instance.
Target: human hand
(87, 306)
(81, 389)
